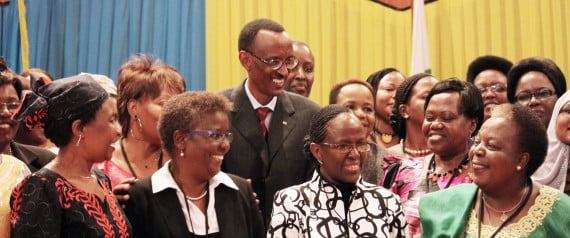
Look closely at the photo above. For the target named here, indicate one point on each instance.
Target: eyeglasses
(11, 106)
(497, 88)
(214, 135)
(345, 148)
(540, 94)
(276, 63)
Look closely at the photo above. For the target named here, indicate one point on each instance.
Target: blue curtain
(10, 35)
(67, 37)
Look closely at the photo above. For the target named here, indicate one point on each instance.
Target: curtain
(10, 35)
(71, 36)
(354, 38)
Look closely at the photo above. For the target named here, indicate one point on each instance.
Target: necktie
(262, 114)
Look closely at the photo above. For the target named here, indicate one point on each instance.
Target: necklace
(504, 216)
(192, 199)
(434, 176)
(159, 164)
(197, 198)
(416, 153)
(519, 209)
(386, 138)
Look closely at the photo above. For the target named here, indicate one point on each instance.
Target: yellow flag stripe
(23, 34)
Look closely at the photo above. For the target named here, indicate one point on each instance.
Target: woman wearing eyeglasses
(537, 83)
(489, 74)
(336, 202)
(189, 196)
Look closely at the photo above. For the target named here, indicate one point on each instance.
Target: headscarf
(553, 171)
(62, 99)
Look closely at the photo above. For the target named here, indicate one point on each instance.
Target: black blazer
(34, 157)
(278, 163)
(160, 215)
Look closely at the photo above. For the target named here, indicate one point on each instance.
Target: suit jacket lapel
(282, 123)
(246, 123)
(171, 211)
(226, 205)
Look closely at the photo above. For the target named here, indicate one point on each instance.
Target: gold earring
(519, 168)
(320, 162)
(79, 140)
(139, 121)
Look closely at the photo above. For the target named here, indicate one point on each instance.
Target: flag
(420, 50)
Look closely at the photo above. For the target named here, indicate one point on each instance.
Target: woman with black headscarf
(67, 198)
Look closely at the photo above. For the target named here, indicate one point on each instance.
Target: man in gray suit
(268, 123)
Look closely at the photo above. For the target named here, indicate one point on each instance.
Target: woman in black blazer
(190, 196)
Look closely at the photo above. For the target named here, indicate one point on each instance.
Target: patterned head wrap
(62, 99)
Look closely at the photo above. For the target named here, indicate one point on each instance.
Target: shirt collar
(162, 179)
(255, 103)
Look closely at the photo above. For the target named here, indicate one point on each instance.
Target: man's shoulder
(299, 102)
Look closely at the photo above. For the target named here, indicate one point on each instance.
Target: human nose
(4, 110)
(282, 70)
(533, 100)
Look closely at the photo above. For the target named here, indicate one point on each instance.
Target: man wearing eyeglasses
(537, 83)
(268, 123)
(489, 74)
(10, 95)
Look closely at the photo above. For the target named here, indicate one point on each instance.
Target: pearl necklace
(416, 153)
(197, 198)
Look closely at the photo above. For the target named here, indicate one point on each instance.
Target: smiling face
(563, 124)
(446, 131)
(340, 167)
(100, 134)
(358, 98)
(534, 81)
(8, 127)
(385, 94)
(486, 79)
(300, 80)
(265, 82)
(495, 154)
(203, 154)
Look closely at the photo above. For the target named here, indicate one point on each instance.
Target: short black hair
(471, 100)
(402, 96)
(531, 133)
(250, 30)
(319, 126)
(540, 64)
(487, 62)
(375, 78)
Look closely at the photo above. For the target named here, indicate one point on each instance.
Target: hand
(254, 194)
(121, 191)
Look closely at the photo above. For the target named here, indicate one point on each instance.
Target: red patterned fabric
(47, 205)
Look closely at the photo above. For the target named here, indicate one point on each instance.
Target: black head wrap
(62, 99)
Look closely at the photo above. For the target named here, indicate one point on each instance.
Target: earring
(79, 140)
(406, 116)
(139, 121)
(519, 168)
(182, 153)
(320, 162)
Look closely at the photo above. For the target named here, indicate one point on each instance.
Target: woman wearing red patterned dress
(67, 198)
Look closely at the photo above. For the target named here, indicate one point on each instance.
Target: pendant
(386, 138)
(504, 217)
